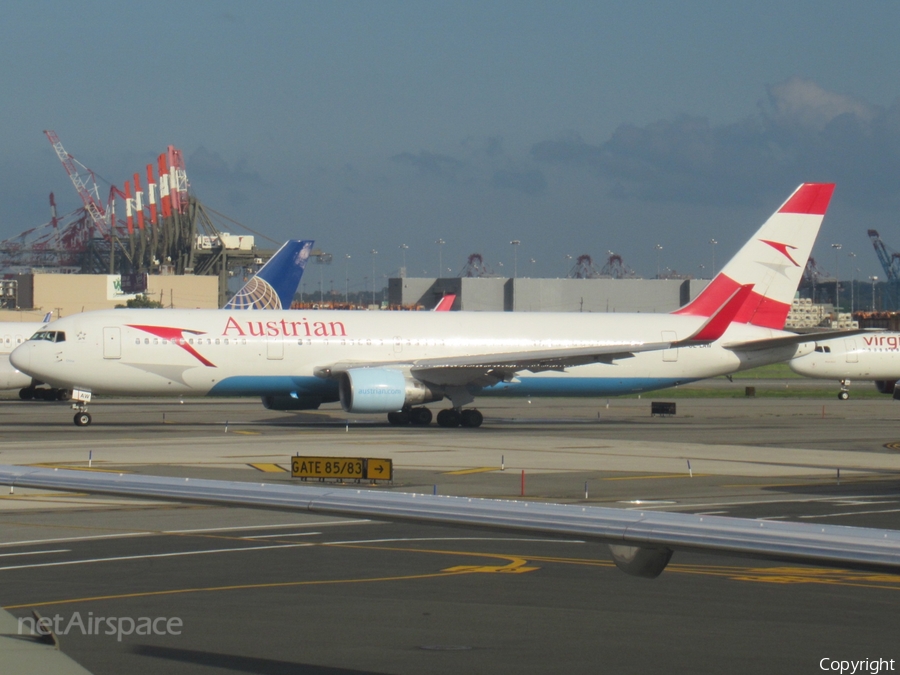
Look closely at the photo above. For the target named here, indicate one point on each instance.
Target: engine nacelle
(382, 390)
(288, 402)
(885, 386)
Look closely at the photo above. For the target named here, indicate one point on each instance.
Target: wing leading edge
(642, 542)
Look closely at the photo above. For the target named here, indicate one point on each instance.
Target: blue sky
(574, 127)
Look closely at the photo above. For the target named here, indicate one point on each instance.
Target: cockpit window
(50, 335)
(823, 349)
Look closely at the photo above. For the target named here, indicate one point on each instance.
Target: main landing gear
(451, 417)
(418, 417)
(454, 417)
(44, 394)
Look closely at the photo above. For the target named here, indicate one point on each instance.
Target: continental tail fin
(772, 262)
(274, 285)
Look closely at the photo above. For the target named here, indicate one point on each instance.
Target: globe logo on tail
(256, 294)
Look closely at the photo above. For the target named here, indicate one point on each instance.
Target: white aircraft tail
(772, 262)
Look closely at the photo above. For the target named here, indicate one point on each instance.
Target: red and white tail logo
(772, 262)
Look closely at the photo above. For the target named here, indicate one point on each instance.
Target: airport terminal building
(494, 294)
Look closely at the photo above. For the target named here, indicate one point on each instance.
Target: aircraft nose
(21, 357)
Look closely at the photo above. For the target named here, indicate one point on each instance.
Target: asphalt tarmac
(270, 592)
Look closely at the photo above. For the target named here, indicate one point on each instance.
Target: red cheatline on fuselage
(176, 336)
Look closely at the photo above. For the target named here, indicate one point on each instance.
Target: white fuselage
(12, 334)
(228, 353)
(863, 357)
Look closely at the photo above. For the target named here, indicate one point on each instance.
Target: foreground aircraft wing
(642, 542)
(488, 369)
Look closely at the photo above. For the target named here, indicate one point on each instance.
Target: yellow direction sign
(379, 469)
(327, 467)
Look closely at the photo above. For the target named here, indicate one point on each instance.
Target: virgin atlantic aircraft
(866, 357)
(394, 362)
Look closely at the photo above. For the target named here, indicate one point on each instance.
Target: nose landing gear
(82, 416)
(844, 393)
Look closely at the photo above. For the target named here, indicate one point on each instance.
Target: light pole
(347, 278)
(853, 270)
(515, 244)
(568, 264)
(658, 248)
(374, 253)
(874, 280)
(837, 283)
(713, 243)
(701, 267)
(403, 248)
(440, 243)
(532, 261)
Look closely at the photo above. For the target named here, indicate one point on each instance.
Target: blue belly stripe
(264, 385)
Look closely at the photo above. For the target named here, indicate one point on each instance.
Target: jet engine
(885, 386)
(382, 390)
(291, 402)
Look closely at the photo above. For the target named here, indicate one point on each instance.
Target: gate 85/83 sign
(344, 468)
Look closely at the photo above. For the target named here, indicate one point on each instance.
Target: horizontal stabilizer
(788, 340)
(718, 323)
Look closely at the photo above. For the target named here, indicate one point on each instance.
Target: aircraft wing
(488, 369)
(642, 542)
(788, 340)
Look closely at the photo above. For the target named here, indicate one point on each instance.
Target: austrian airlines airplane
(393, 362)
(865, 357)
(272, 287)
